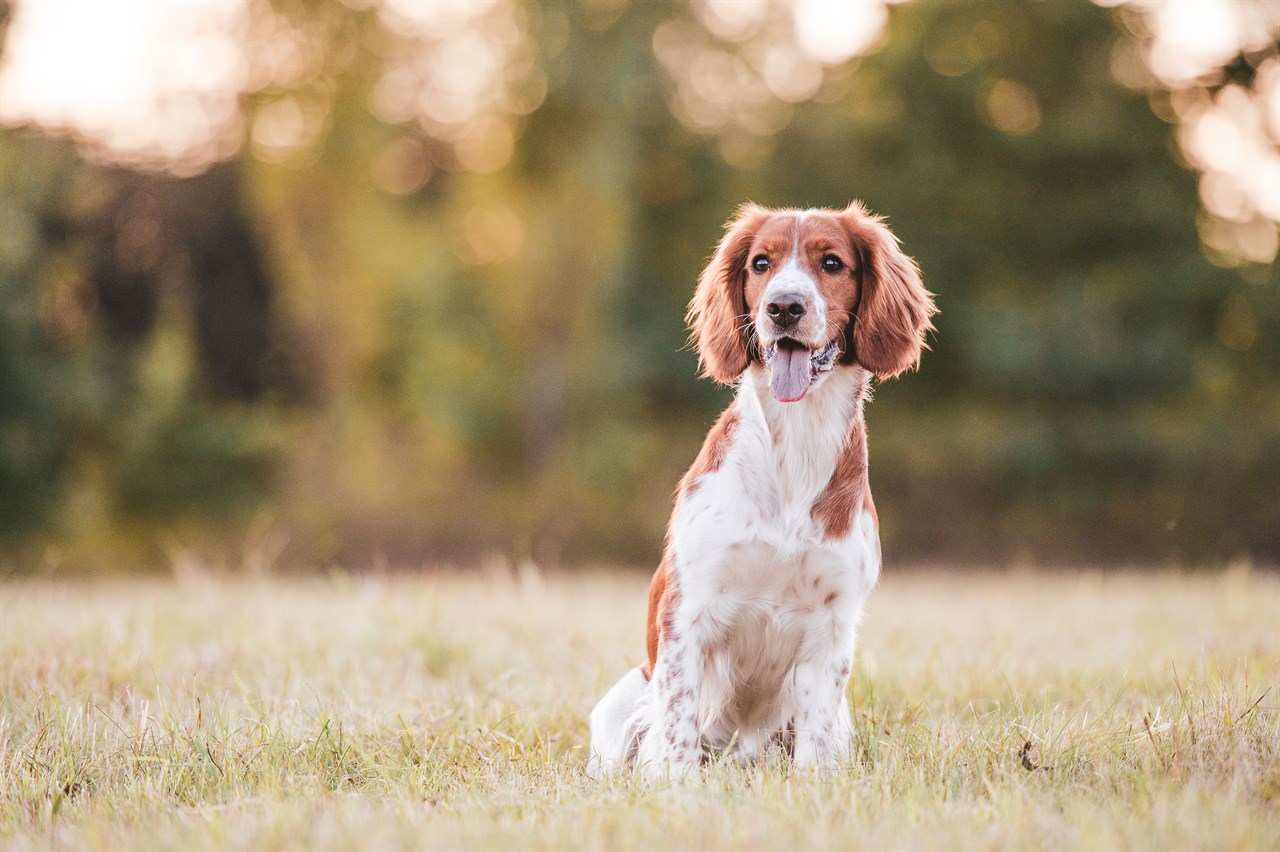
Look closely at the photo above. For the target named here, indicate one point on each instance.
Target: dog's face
(801, 289)
(805, 291)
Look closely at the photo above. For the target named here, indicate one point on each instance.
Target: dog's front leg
(823, 731)
(672, 747)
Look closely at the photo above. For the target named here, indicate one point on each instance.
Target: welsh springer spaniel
(774, 543)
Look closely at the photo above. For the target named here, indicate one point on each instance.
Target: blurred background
(402, 282)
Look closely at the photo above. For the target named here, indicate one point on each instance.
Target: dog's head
(805, 291)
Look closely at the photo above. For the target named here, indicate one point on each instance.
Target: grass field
(444, 711)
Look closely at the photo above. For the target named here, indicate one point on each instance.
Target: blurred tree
(1081, 389)
(132, 304)
(468, 288)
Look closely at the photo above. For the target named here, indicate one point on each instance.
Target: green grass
(445, 711)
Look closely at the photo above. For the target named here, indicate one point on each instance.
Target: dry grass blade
(1253, 706)
(450, 712)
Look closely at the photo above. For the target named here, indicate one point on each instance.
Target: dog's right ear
(718, 318)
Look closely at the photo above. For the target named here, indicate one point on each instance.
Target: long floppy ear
(892, 319)
(717, 317)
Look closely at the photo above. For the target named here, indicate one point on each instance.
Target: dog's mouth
(793, 367)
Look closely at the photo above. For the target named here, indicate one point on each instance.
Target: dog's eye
(760, 264)
(831, 263)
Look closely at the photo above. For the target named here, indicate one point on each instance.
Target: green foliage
(495, 362)
(1080, 320)
(106, 432)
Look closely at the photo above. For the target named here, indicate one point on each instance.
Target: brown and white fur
(774, 544)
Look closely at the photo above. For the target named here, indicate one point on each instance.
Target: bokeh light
(143, 82)
(157, 84)
(1227, 131)
(305, 185)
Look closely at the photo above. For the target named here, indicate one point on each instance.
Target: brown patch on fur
(663, 594)
(809, 237)
(843, 497)
(718, 318)
(663, 597)
(714, 449)
(876, 301)
(892, 318)
(824, 234)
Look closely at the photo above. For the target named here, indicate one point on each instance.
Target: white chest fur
(781, 458)
(763, 590)
(760, 641)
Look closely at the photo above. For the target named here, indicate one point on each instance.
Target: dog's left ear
(718, 318)
(886, 335)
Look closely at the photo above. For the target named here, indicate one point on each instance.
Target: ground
(441, 710)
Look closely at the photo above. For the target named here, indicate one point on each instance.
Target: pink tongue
(790, 373)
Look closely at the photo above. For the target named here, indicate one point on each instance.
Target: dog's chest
(760, 500)
(772, 611)
(756, 562)
(760, 574)
(759, 610)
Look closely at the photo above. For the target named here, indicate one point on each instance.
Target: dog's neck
(806, 438)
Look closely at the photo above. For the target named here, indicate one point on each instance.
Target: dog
(773, 544)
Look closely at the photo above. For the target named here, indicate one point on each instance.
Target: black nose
(785, 309)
